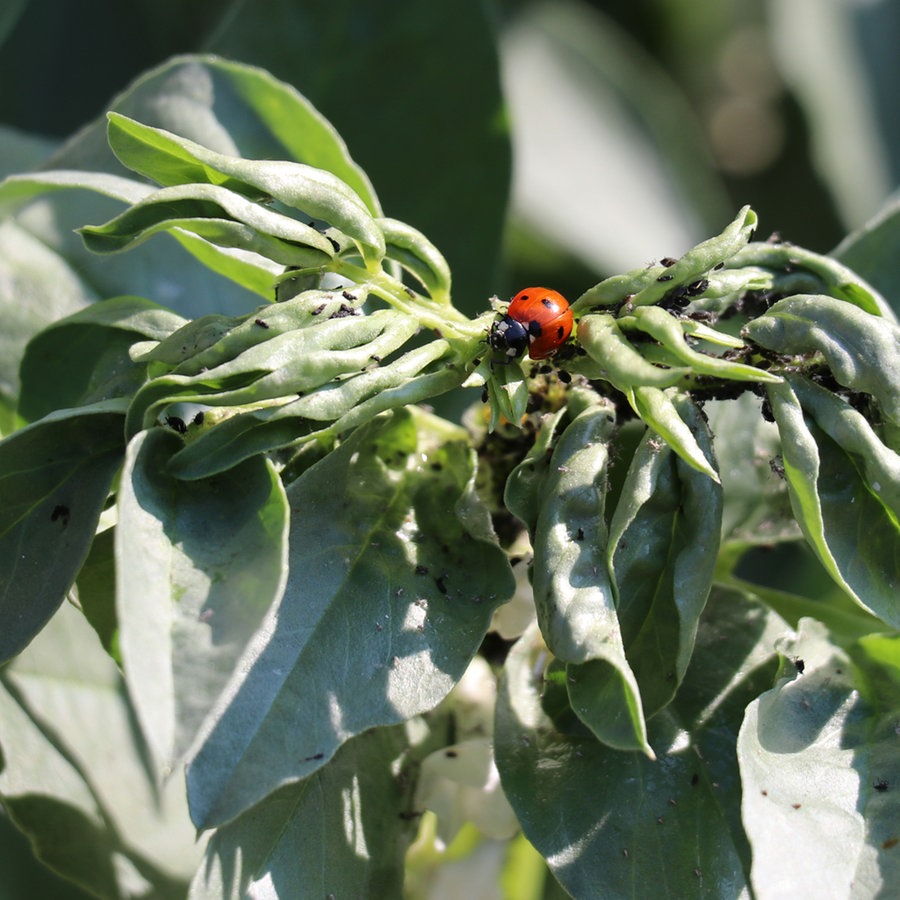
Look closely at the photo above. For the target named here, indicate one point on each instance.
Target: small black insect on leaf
(60, 514)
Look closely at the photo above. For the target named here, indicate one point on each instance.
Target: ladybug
(538, 320)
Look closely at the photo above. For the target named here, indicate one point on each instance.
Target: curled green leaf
(860, 348)
(678, 279)
(658, 409)
(844, 486)
(613, 358)
(415, 253)
(210, 341)
(290, 363)
(343, 404)
(170, 160)
(662, 551)
(523, 489)
(666, 329)
(795, 270)
(572, 591)
(701, 259)
(507, 395)
(219, 215)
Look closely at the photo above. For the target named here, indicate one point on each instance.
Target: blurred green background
(535, 142)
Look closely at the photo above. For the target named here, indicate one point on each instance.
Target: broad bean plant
(255, 557)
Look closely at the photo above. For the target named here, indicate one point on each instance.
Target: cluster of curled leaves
(292, 562)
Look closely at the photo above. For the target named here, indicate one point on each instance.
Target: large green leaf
(198, 564)
(75, 780)
(845, 491)
(341, 832)
(609, 822)
(85, 357)
(819, 767)
(394, 574)
(36, 287)
(55, 476)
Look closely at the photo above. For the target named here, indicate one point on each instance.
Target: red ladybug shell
(538, 320)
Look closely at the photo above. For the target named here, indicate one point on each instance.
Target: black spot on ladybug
(176, 424)
(261, 323)
(60, 514)
(548, 303)
(880, 785)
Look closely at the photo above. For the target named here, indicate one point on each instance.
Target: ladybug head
(509, 337)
